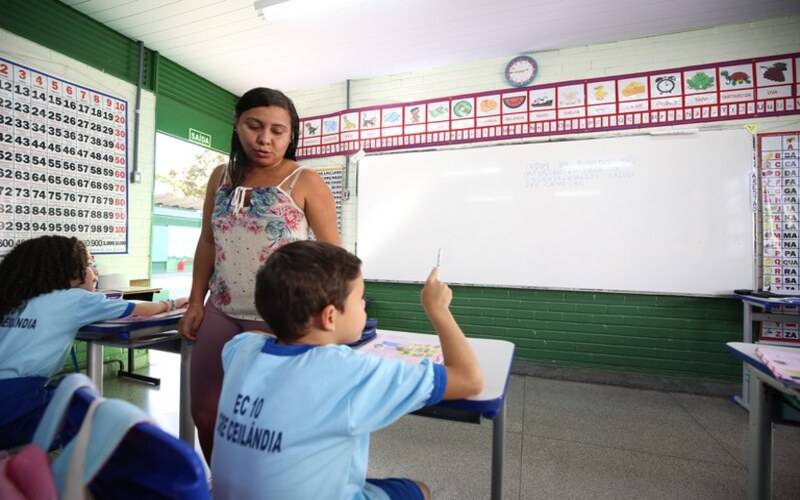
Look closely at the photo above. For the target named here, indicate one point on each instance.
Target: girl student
(46, 295)
(261, 200)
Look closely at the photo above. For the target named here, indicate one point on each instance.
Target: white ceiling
(307, 43)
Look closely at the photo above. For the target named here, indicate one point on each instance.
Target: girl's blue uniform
(34, 343)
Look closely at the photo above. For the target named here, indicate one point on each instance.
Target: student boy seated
(296, 411)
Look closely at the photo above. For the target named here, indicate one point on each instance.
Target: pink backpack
(26, 475)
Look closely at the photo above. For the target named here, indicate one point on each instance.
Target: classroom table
(764, 392)
(134, 293)
(751, 305)
(159, 334)
(495, 358)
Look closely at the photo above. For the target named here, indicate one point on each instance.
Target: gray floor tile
(727, 423)
(564, 440)
(721, 418)
(160, 402)
(453, 458)
(630, 419)
(568, 470)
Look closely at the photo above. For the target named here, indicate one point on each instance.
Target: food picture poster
(757, 87)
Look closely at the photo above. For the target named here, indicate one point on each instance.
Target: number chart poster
(730, 90)
(63, 161)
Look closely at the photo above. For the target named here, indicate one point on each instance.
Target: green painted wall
(175, 118)
(184, 100)
(59, 27)
(652, 334)
(140, 358)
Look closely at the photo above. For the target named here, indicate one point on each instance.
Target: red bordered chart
(334, 178)
(732, 90)
(779, 173)
(63, 161)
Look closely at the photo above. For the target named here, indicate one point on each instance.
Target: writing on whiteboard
(575, 173)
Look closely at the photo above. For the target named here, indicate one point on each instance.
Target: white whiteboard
(667, 213)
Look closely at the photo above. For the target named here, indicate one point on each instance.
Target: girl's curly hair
(38, 266)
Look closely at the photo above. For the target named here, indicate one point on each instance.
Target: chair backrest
(148, 463)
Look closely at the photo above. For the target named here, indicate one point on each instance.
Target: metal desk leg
(759, 449)
(498, 452)
(186, 429)
(94, 364)
(129, 374)
(747, 336)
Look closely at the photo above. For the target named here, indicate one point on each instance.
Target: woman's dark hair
(254, 98)
(38, 266)
(299, 280)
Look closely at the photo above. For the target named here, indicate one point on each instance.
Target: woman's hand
(190, 322)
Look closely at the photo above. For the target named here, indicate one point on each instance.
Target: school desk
(134, 293)
(159, 334)
(760, 309)
(495, 358)
(764, 392)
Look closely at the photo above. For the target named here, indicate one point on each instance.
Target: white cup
(113, 281)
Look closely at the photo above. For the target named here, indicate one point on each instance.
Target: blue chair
(148, 463)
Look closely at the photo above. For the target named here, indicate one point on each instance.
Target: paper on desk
(176, 314)
(783, 363)
(405, 350)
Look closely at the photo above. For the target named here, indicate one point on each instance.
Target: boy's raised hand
(464, 376)
(436, 295)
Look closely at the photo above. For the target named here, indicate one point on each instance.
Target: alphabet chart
(334, 178)
(779, 174)
(63, 161)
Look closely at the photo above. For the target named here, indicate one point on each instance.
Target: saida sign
(199, 137)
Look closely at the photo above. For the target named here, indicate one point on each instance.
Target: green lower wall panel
(140, 358)
(651, 334)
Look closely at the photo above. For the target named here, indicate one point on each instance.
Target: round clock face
(521, 71)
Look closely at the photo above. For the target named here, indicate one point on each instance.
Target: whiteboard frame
(755, 200)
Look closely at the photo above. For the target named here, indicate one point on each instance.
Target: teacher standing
(261, 200)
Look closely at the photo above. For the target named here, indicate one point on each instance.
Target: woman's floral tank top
(244, 236)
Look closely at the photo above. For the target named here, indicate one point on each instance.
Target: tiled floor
(564, 440)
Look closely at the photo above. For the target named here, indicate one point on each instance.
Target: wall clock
(521, 70)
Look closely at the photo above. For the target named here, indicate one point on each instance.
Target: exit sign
(200, 138)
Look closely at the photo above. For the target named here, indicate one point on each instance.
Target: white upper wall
(721, 43)
(730, 42)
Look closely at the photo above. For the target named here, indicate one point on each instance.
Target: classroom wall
(186, 100)
(136, 263)
(654, 334)
(52, 31)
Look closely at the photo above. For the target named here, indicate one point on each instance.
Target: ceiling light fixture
(260, 5)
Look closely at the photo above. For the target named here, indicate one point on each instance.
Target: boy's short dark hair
(299, 280)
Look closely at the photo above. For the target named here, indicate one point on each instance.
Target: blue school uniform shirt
(294, 421)
(35, 340)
